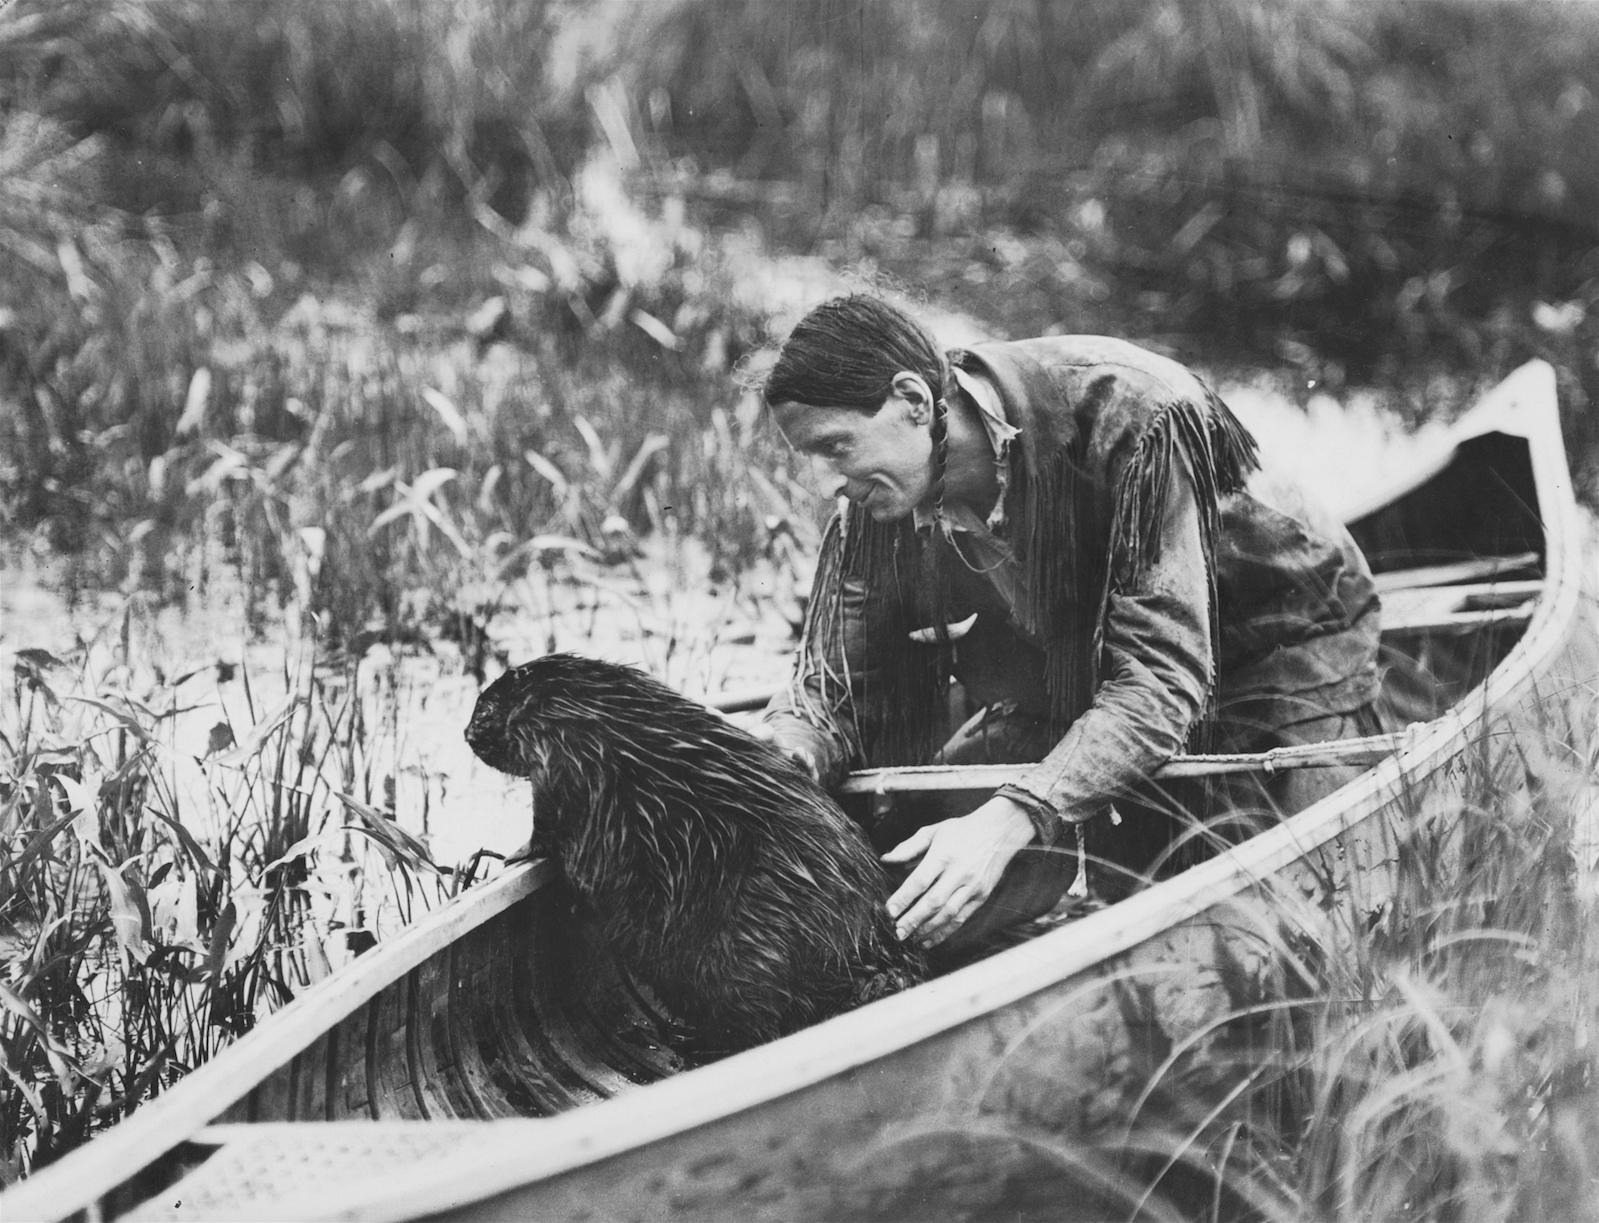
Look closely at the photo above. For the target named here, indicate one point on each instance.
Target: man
(1078, 531)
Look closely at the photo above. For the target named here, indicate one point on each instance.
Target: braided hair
(939, 431)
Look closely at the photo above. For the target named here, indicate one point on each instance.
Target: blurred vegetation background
(266, 265)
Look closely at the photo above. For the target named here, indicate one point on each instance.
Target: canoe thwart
(1367, 750)
(1452, 608)
(1475, 570)
(1461, 622)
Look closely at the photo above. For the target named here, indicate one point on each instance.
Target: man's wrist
(1009, 822)
(1041, 813)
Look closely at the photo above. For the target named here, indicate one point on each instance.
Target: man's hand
(962, 861)
(801, 755)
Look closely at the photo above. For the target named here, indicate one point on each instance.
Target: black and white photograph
(799, 611)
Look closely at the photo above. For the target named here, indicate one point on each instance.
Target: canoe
(489, 1062)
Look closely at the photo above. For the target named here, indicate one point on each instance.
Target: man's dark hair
(845, 353)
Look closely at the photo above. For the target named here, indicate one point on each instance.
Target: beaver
(722, 877)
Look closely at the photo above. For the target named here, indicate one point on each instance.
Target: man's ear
(918, 396)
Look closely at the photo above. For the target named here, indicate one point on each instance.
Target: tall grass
(393, 475)
(156, 896)
(435, 195)
(1429, 1058)
(440, 100)
(1370, 193)
(512, 349)
(1448, 1070)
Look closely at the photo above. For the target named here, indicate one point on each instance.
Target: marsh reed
(157, 897)
(1429, 1059)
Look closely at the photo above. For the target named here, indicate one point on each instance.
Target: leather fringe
(1061, 561)
(1218, 453)
(895, 715)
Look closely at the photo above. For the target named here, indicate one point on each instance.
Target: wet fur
(723, 878)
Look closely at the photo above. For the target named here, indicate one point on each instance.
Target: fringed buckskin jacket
(1155, 590)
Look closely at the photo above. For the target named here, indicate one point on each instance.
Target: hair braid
(935, 546)
(939, 431)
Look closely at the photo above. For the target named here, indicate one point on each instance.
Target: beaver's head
(561, 703)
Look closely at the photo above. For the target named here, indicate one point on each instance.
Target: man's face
(883, 462)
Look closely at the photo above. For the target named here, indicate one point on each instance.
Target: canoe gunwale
(509, 1156)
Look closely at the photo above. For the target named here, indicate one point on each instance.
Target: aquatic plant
(158, 897)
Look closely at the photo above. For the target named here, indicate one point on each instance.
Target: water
(662, 612)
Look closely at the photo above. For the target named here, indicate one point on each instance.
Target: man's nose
(830, 482)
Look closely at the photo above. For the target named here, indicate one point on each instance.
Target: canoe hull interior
(526, 1016)
(1483, 504)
